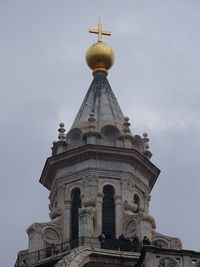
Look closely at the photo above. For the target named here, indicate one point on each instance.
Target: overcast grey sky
(44, 78)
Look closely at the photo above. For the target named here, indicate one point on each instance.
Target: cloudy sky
(43, 80)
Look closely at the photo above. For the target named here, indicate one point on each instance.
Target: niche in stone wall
(136, 200)
(108, 212)
(74, 224)
(109, 133)
(74, 138)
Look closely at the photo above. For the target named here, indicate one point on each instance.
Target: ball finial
(100, 56)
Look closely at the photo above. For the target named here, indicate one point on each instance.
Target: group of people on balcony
(122, 243)
(107, 242)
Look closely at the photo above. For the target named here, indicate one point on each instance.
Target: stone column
(98, 217)
(86, 226)
(118, 215)
(86, 222)
(187, 262)
(67, 219)
(36, 241)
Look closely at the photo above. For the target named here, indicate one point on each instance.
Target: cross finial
(100, 31)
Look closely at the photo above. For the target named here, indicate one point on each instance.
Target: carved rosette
(51, 235)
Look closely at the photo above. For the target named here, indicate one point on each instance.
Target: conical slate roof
(101, 101)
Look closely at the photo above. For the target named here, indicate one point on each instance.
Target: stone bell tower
(99, 177)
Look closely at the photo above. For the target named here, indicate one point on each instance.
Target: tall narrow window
(75, 205)
(108, 212)
(137, 202)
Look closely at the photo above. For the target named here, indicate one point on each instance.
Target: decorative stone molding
(166, 241)
(150, 219)
(109, 133)
(126, 124)
(118, 199)
(35, 227)
(51, 235)
(75, 258)
(138, 143)
(131, 229)
(128, 183)
(161, 243)
(175, 243)
(89, 196)
(168, 262)
(88, 202)
(74, 137)
(87, 210)
(90, 180)
(130, 207)
(55, 213)
(91, 121)
(145, 140)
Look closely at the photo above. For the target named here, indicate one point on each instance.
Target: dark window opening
(137, 201)
(108, 212)
(75, 205)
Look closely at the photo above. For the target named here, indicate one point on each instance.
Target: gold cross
(100, 32)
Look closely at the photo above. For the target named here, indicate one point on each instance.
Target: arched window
(108, 212)
(137, 202)
(75, 205)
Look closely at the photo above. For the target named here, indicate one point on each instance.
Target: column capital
(118, 199)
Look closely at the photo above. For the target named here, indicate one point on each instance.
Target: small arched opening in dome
(74, 138)
(110, 134)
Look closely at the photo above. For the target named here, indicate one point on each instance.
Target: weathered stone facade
(100, 152)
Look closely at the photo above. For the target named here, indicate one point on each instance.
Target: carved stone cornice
(98, 152)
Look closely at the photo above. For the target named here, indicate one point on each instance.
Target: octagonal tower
(99, 177)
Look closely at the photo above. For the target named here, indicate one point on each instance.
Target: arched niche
(109, 133)
(74, 222)
(108, 211)
(137, 201)
(74, 138)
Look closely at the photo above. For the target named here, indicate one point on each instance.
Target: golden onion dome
(100, 56)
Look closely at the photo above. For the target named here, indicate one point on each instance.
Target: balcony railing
(55, 252)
